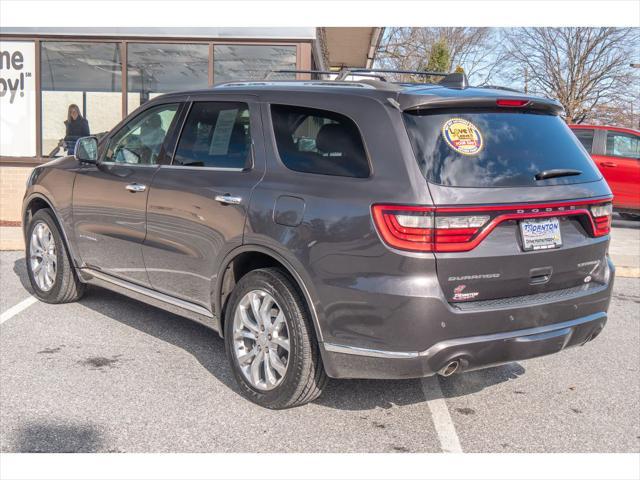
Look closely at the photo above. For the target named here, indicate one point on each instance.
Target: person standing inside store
(76, 127)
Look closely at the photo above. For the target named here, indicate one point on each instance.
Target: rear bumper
(472, 352)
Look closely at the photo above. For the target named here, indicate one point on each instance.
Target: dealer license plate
(540, 233)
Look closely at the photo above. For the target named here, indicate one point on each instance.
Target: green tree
(439, 59)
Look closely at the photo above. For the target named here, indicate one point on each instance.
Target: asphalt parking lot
(109, 374)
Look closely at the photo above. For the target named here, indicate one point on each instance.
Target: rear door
(621, 168)
(513, 194)
(198, 204)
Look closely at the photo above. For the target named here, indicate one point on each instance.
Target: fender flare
(39, 195)
(231, 256)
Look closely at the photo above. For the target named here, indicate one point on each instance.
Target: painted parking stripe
(446, 430)
(16, 309)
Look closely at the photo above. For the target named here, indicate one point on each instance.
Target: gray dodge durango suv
(343, 229)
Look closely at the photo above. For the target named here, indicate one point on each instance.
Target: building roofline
(231, 33)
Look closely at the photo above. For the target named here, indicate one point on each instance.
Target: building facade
(109, 72)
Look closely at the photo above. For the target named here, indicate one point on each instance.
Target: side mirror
(87, 149)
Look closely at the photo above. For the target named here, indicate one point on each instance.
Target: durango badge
(462, 136)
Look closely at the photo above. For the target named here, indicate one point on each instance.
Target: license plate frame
(540, 233)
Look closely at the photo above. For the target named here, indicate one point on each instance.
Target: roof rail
(328, 72)
(350, 71)
(452, 80)
(320, 72)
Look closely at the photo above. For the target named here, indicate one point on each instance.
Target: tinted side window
(139, 142)
(586, 138)
(319, 141)
(623, 145)
(216, 134)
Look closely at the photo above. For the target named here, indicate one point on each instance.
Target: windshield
(497, 149)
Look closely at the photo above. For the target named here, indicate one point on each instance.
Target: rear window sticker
(462, 136)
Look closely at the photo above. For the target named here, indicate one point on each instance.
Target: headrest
(335, 137)
(153, 121)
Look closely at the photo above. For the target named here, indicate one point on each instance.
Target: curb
(11, 238)
(627, 272)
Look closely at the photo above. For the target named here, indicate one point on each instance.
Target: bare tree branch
(583, 68)
(474, 49)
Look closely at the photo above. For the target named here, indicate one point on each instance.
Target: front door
(197, 205)
(110, 198)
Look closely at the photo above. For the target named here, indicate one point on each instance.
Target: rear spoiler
(423, 103)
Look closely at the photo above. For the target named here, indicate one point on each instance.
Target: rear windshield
(496, 149)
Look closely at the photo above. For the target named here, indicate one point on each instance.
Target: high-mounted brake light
(460, 229)
(511, 102)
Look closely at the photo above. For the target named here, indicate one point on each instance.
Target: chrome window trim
(124, 164)
(217, 169)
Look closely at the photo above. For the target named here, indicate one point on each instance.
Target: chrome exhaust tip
(449, 369)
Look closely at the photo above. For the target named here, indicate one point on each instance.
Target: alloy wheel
(43, 258)
(261, 340)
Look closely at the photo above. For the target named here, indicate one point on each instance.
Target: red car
(616, 152)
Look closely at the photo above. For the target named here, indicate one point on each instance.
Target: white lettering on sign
(17, 99)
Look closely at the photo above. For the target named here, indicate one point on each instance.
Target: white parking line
(446, 430)
(16, 309)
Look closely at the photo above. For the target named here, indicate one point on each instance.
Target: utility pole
(526, 80)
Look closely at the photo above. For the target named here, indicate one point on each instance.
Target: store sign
(17, 99)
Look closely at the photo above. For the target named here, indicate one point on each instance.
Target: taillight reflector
(602, 218)
(412, 228)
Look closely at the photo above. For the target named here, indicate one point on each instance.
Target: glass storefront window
(156, 68)
(85, 74)
(252, 62)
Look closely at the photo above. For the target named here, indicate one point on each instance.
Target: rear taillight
(601, 218)
(460, 229)
(420, 229)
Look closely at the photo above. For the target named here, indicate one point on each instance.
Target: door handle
(608, 164)
(228, 199)
(136, 187)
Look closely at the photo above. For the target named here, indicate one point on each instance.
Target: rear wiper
(557, 172)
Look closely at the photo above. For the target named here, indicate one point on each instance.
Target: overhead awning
(351, 46)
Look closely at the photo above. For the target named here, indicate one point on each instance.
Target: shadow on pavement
(202, 343)
(208, 348)
(20, 269)
(40, 437)
(371, 394)
(472, 382)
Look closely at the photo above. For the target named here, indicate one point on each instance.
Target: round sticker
(462, 136)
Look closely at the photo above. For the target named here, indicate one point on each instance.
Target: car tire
(304, 377)
(630, 216)
(49, 253)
